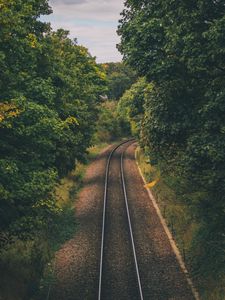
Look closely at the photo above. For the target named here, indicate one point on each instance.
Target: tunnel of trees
(56, 102)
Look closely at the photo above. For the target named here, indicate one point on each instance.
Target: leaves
(8, 111)
(119, 78)
(179, 46)
(49, 92)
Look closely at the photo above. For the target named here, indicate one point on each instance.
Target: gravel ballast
(77, 263)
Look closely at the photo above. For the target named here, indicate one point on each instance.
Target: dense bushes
(179, 46)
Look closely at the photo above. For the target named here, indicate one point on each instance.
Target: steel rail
(130, 226)
(103, 216)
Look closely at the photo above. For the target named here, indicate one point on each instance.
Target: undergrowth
(27, 267)
(66, 226)
(184, 228)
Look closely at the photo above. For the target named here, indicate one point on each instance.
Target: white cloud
(92, 22)
(105, 10)
(67, 2)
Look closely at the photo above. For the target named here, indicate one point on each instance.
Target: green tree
(120, 77)
(49, 95)
(180, 46)
(50, 90)
(131, 105)
(111, 125)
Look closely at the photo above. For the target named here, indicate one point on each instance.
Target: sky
(92, 22)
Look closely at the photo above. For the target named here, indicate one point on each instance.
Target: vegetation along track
(83, 274)
(114, 266)
(136, 261)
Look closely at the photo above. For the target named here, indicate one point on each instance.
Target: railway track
(104, 289)
(133, 238)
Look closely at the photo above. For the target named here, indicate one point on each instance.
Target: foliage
(110, 125)
(179, 46)
(131, 104)
(119, 78)
(23, 265)
(48, 110)
(49, 96)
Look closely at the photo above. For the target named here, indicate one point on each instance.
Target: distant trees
(179, 46)
(49, 92)
(119, 78)
(111, 123)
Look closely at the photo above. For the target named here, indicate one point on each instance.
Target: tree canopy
(49, 92)
(120, 77)
(179, 46)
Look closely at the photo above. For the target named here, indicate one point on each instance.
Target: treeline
(111, 124)
(178, 112)
(120, 77)
(50, 90)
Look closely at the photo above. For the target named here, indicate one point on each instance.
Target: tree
(119, 77)
(179, 45)
(49, 91)
(131, 105)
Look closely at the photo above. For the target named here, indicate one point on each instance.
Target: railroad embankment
(182, 225)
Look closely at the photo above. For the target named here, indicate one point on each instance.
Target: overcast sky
(92, 22)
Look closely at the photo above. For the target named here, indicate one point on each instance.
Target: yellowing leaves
(8, 110)
(101, 75)
(151, 184)
(71, 121)
(32, 40)
(4, 3)
(105, 66)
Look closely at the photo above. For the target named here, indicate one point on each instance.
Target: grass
(175, 213)
(183, 227)
(66, 193)
(95, 150)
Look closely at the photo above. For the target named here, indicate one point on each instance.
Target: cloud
(68, 2)
(92, 22)
(101, 10)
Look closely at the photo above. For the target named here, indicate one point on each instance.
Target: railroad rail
(129, 142)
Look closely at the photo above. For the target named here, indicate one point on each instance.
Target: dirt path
(77, 263)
